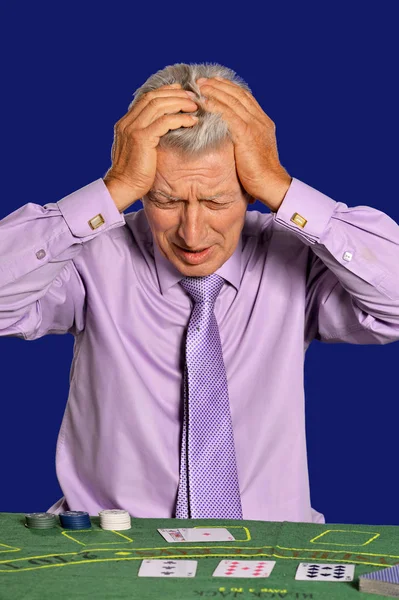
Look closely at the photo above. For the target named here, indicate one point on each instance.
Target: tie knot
(203, 289)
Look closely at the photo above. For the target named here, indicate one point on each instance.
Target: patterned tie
(208, 486)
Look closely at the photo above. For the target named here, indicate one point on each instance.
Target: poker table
(98, 564)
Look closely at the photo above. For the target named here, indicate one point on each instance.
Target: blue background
(327, 75)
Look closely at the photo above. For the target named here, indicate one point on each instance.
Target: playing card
(244, 568)
(197, 534)
(204, 534)
(172, 535)
(323, 572)
(168, 568)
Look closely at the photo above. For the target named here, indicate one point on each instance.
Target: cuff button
(298, 220)
(96, 221)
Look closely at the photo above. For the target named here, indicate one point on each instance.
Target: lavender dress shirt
(315, 269)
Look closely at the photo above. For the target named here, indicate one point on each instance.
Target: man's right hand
(136, 137)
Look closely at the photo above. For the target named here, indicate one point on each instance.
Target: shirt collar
(169, 275)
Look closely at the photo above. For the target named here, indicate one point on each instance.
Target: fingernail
(191, 94)
(201, 79)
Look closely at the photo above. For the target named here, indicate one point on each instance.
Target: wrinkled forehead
(177, 172)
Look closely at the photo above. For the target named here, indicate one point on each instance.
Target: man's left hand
(254, 138)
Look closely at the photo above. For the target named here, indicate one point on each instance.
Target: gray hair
(210, 131)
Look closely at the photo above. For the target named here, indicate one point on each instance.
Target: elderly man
(192, 316)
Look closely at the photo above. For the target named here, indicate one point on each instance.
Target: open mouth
(196, 255)
(194, 251)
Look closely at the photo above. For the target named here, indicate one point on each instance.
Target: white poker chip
(115, 519)
(107, 520)
(114, 511)
(110, 521)
(103, 520)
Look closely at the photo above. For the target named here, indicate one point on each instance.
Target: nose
(193, 228)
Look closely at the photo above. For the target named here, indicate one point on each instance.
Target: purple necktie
(208, 486)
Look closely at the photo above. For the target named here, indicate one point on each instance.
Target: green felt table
(98, 564)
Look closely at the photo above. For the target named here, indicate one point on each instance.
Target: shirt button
(347, 256)
(41, 253)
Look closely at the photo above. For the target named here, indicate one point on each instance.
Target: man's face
(193, 222)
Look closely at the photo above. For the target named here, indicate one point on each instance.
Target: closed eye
(212, 203)
(176, 202)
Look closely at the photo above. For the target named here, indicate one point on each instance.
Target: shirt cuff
(90, 210)
(305, 210)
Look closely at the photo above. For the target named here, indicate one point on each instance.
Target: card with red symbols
(244, 568)
(197, 534)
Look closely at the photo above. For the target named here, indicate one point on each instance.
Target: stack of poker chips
(41, 520)
(115, 519)
(75, 519)
(384, 582)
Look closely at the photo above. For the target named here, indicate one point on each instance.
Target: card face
(244, 568)
(197, 534)
(323, 572)
(168, 568)
(172, 535)
(204, 534)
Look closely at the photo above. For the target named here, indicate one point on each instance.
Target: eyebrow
(177, 198)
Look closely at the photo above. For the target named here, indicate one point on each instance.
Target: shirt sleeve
(352, 292)
(41, 290)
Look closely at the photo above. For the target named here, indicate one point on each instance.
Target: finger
(233, 85)
(138, 106)
(142, 102)
(216, 95)
(162, 106)
(237, 120)
(230, 88)
(164, 124)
